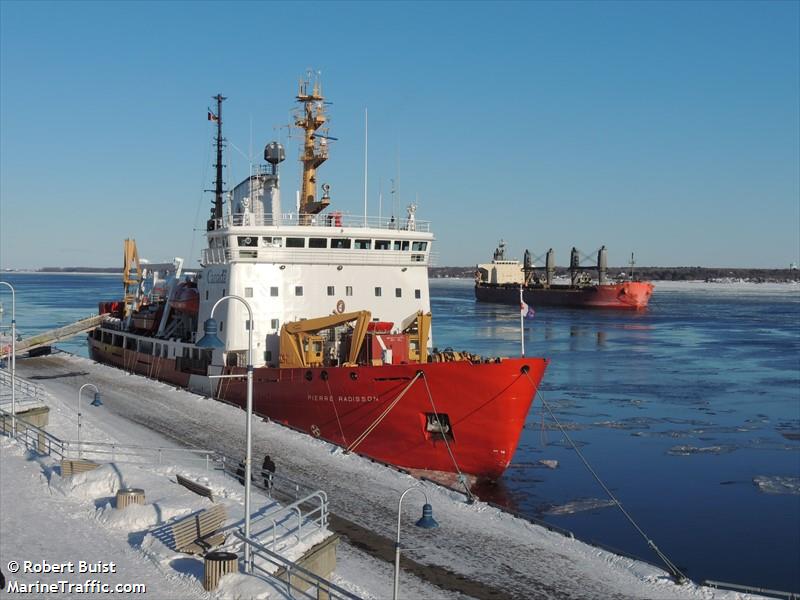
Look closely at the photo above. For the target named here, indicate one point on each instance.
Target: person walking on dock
(268, 470)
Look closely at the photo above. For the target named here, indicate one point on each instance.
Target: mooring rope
(380, 418)
(461, 477)
(674, 571)
(336, 412)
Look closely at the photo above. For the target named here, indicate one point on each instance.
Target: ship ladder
(382, 416)
(673, 570)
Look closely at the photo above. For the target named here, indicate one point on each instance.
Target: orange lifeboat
(185, 298)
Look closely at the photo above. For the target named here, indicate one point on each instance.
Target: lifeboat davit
(185, 298)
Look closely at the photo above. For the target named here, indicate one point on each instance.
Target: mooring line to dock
(461, 478)
(381, 416)
(674, 571)
(335, 410)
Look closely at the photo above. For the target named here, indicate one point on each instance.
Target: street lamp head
(210, 339)
(427, 521)
(98, 399)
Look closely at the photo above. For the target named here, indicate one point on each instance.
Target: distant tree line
(646, 273)
(80, 270)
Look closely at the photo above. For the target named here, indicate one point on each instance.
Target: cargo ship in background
(341, 342)
(501, 281)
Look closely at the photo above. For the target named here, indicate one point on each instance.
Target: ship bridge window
(398, 292)
(348, 290)
(383, 245)
(401, 245)
(340, 243)
(317, 242)
(130, 343)
(331, 290)
(295, 242)
(275, 242)
(378, 291)
(419, 246)
(363, 244)
(117, 341)
(247, 241)
(417, 258)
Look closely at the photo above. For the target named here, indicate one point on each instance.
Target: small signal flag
(212, 116)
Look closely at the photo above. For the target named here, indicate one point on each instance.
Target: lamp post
(98, 401)
(426, 522)
(13, 358)
(210, 340)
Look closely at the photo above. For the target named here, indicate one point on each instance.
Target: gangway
(48, 338)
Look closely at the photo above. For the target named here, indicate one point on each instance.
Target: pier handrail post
(426, 522)
(211, 340)
(13, 358)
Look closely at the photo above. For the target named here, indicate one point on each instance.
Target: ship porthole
(324, 376)
(309, 375)
(353, 375)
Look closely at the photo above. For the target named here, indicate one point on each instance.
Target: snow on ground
(46, 517)
(476, 542)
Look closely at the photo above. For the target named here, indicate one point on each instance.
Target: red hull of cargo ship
(483, 405)
(628, 295)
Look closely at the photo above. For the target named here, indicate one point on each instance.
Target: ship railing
(323, 221)
(288, 577)
(216, 256)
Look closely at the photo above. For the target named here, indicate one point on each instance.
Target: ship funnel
(602, 265)
(550, 262)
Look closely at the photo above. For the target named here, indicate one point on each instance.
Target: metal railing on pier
(296, 581)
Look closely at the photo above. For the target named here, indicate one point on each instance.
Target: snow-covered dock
(478, 551)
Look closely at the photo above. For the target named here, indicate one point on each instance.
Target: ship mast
(315, 147)
(216, 212)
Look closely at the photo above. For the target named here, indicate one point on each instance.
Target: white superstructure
(290, 272)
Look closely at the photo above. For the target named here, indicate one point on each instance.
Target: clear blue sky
(668, 129)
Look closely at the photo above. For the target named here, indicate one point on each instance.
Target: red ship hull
(388, 408)
(628, 295)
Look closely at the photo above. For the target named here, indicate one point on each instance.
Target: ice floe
(777, 484)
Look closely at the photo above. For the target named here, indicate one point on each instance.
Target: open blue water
(678, 409)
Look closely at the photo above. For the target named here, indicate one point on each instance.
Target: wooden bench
(70, 467)
(195, 487)
(198, 533)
